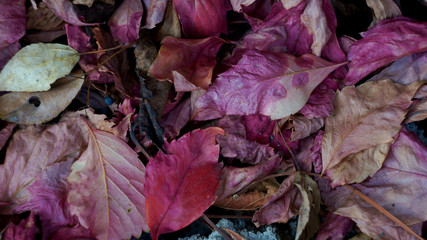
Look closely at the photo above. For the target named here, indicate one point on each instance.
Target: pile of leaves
(124, 117)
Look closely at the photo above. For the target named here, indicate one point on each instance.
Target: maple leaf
(181, 186)
(277, 86)
(373, 110)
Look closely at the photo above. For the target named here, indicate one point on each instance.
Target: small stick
(224, 234)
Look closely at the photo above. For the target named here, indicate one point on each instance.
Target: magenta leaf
(399, 186)
(188, 63)
(155, 10)
(125, 22)
(180, 186)
(202, 18)
(64, 9)
(334, 227)
(12, 21)
(105, 188)
(277, 86)
(386, 42)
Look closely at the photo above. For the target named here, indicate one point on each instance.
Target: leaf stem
(224, 234)
(289, 149)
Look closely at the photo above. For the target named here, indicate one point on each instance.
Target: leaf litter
(231, 109)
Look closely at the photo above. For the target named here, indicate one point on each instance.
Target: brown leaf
(302, 127)
(39, 107)
(233, 234)
(373, 111)
(43, 19)
(308, 221)
(417, 112)
(170, 25)
(252, 199)
(383, 9)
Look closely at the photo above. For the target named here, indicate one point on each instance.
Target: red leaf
(202, 18)
(125, 22)
(181, 186)
(388, 41)
(12, 21)
(188, 63)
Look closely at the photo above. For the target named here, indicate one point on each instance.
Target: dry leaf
(308, 220)
(170, 25)
(233, 234)
(43, 19)
(40, 107)
(358, 136)
(84, 2)
(36, 66)
(383, 9)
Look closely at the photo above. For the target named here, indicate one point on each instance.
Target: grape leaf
(36, 66)
(181, 186)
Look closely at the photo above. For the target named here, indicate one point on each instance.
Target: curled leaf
(36, 66)
(39, 107)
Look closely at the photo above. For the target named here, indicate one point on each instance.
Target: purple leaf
(334, 227)
(202, 18)
(386, 42)
(6, 53)
(64, 9)
(125, 22)
(278, 85)
(12, 21)
(155, 10)
(25, 230)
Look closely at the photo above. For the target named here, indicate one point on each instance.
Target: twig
(289, 149)
(224, 234)
(228, 216)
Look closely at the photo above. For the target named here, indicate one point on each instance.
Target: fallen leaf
(278, 86)
(316, 152)
(302, 127)
(362, 236)
(373, 111)
(251, 199)
(43, 19)
(399, 187)
(12, 21)
(308, 220)
(26, 229)
(36, 66)
(202, 18)
(6, 53)
(320, 102)
(65, 10)
(417, 112)
(170, 27)
(334, 226)
(43, 37)
(125, 22)
(84, 2)
(155, 10)
(383, 9)
(176, 119)
(5, 133)
(188, 63)
(237, 4)
(233, 234)
(177, 198)
(386, 42)
(105, 188)
(40, 107)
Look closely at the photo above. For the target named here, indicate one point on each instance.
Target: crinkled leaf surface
(105, 188)
(278, 85)
(31, 152)
(188, 63)
(39, 107)
(65, 10)
(399, 186)
(180, 186)
(373, 111)
(388, 41)
(36, 66)
(125, 22)
(202, 18)
(12, 21)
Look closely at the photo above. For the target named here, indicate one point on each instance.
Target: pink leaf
(278, 85)
(5, 133)
(64, 9)
(399, 186)
(188, 63)
(12, 21)
(155, 11)
(105, 188)
(386, 42)
(125, 22)
(176, 119)
(202, 18)
(182, 185)
(334, 227)
(7, 52)
(302, 127)
(25, 230)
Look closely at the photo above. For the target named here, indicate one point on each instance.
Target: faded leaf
(177, 198)
(320, 102)
(6, 53)
(334, 226)
(202, 18)
(145, 53)
(383, 9)
(252, 199)
(40, 107)
(233, 234)
(373, 111)
(155, 10)
(170, 27)
(417, 112)
(316, 23)
(43, 19)
(188, 63)
(308, 220)
(277, 86)
(399, 186)
(32, 151)
(5, 133)
(105, 188)
(361, 236)
(36, 66)
(84, 2)
(237, 4)
(386, 42)
(281, 207)
(12, 21)
(303, 127)
(125, 22)
(65, 10)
